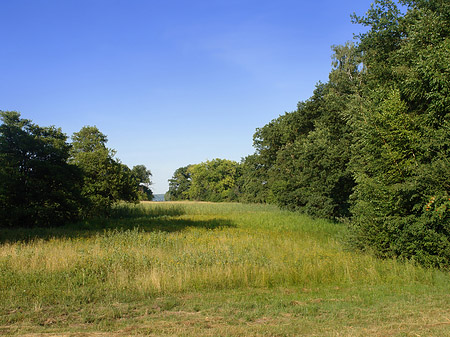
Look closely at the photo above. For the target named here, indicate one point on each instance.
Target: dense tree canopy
(253, 182)
(106, 179)
(214, 180)
(402, 132)
(46, 181)
(37, 184)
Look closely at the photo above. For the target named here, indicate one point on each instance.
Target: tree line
(47, 181)
(370, 146)
(214, 180)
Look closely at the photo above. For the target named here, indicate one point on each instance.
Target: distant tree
(214, 180)
(106, 179)
(38, 187)
(142, 176)
(179, 184)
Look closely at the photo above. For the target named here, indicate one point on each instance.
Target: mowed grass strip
(210, 269)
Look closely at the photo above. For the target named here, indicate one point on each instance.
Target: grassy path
(199, 269)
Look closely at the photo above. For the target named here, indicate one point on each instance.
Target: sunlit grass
(168, 249)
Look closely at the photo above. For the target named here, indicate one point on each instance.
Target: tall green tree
(38, 187)
(402, 138)
(142, 176)
(179, 184)
(106, 179)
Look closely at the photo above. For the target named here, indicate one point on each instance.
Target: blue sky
(170, 82)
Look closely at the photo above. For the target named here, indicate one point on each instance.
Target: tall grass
(167, 248)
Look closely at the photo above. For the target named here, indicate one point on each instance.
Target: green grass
(202, 269)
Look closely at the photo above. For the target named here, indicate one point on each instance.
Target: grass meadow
(204, 269)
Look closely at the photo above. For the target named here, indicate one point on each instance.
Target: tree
(214, 180)
(312, 173)
(142, 176)
(302, 157)
(179, 184)
(402, 139)
(38, 187)
(252, 183)
(106, 180)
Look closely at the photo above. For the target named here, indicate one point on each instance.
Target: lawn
(204, 269)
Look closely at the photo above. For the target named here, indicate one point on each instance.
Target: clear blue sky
(170, 82)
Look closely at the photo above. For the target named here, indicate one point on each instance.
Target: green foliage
(260, 171)
(214, 180)
(142, 176)
(252, 183)
(303, 155)
(106, 180)
(37, 185)
(402, 139)
(373, 142)
(45, 181)
(179, 184)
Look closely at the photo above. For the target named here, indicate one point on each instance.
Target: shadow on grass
(123, 217)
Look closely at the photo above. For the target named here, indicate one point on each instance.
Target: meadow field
(210, 269)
